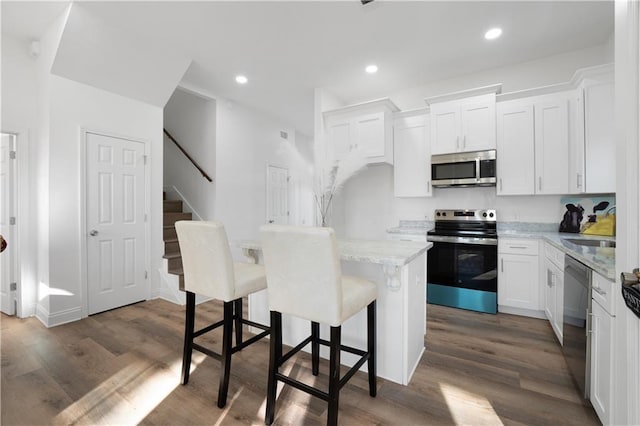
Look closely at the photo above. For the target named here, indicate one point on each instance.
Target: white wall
(246, 141)
(19, 116)
(367, 203)
(191, 120)
(75, 106)
(527, 75)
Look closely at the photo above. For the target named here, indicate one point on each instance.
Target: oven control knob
(484, 214)
(438, 214)
(490, 214)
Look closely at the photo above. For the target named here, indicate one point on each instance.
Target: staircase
(172, 212)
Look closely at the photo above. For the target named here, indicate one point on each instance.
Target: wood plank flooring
(123, 367)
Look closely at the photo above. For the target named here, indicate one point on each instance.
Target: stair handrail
(186, 154)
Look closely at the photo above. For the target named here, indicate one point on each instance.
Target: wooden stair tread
(176, 271)
(171, 255)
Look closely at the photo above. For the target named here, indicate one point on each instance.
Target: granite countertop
(412, 227)
(384, 252)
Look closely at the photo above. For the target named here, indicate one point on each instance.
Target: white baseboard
(58, 318)
(522, 312)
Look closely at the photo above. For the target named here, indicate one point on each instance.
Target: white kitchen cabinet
(412, 156)
(518, 276)
(600, 147)
(602, 346)
(463, 125)
(552, 146)
(367, 126)
(533, 145)
(554, 288)
(592, 153)
(515, 149)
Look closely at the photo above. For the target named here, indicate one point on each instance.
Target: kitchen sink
(591, 243)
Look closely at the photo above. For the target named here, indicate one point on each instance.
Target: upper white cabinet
(515, 148)
(593, 152)
(412, 155)
(533, 145)
(551, 136)
(367, 126)
(464, 121)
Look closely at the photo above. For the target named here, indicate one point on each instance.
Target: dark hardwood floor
(123, 367)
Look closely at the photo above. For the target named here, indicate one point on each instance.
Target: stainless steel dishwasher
(576, 322)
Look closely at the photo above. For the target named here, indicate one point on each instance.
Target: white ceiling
(287, 49)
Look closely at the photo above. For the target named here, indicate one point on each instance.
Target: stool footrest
(206, 351)
(345, 348)
(207, 329)
(294, 351)
(303, 386)
(255, 324)
(249, 341)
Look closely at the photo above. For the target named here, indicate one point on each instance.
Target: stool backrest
(206, 259)
(303, 272)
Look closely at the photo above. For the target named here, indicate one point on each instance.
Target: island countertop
(383, 252)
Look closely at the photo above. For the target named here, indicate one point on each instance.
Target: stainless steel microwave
(464, 169)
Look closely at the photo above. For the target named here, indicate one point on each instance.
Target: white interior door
(277, 195)
(116, 243)
(7, 227)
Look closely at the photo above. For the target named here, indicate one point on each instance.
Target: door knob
(93, 233)
(271, 221)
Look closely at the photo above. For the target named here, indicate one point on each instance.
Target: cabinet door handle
(501, 265)
(500, 184)
(540, 183)
(457, 142)
(600, 291)
(578, 181)
(464, 141)
(518, 247)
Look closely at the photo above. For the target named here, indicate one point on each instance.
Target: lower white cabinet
(518, 276)
(554, 288)
(602, 345)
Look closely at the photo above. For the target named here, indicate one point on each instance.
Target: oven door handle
(463, 240)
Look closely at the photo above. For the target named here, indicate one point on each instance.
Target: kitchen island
(400, 270)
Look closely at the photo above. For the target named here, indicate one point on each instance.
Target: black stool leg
(275, 353)
(227, 335)
(334, 376)
(238, 321)
(371, 346)
(315, 347)
(189, 321)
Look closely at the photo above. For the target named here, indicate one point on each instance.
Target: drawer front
(602, 292)
(518, 246)
(555, 255)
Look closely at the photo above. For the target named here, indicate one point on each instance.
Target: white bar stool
(304, 279)
(210, 271)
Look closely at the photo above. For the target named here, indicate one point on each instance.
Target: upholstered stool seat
(210, 271)
(304, 279)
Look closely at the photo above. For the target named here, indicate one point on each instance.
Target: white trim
(58, 318)
(82, 183)
(386, 102)
(467, 93)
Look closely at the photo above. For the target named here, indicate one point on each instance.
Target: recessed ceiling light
(371, 69)
(493, 33)
(241, 79)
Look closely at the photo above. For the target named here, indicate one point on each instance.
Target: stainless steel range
(462, 267)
